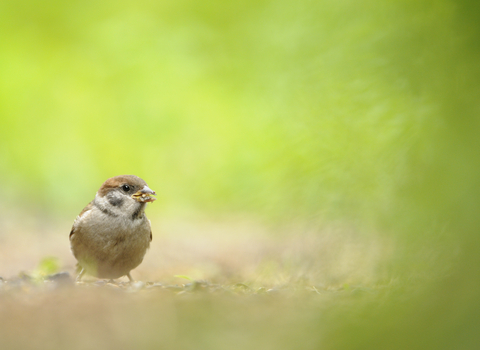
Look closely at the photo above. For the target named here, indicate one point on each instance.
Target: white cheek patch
(130, 205)
(115, 198)
(126, 209)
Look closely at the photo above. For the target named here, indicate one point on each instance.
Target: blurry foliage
(47, 266)
(265, 107)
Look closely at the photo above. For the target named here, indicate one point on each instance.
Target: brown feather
(117, 181)
(87, 208)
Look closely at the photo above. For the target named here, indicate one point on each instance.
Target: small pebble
(61, 277)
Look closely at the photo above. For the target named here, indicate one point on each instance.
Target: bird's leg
(130, 278)
(80, 275)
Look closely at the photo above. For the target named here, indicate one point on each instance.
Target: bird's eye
(126, 188)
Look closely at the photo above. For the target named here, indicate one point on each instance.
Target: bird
(111, 235)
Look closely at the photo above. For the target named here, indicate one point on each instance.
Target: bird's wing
(83, 212)
(150, 224)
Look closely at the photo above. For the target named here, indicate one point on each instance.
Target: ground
(206, 285)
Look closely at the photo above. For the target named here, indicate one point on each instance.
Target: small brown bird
(112, 234)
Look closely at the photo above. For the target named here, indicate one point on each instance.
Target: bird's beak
(144, 195)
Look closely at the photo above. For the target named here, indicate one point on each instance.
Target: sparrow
(112, 234)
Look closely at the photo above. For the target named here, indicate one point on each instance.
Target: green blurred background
(364, 112)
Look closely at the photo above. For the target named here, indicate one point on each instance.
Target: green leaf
(48, 265)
